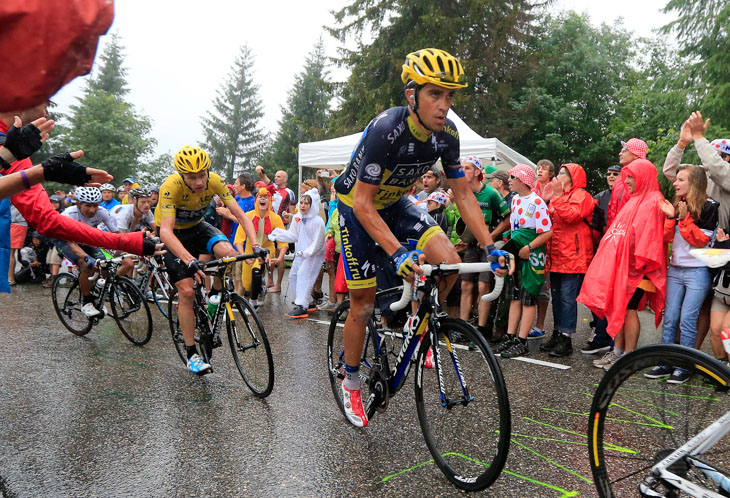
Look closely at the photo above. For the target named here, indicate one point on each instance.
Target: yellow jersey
(187, 207)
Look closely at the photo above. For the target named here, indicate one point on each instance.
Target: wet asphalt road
(98, 416)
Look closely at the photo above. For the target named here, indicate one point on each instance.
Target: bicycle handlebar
(229, 260)
(453, 267)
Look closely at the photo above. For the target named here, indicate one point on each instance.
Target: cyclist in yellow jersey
(184, 197)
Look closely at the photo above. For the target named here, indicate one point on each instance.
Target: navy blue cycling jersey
(394, 153)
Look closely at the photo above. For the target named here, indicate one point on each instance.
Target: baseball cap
(499, 175)
(477, 163)
(615, 167)
(721, 144)
(438, 196)
(524, 173)
(636, 147)
(56, 198)
(129, 179)
(120, 189)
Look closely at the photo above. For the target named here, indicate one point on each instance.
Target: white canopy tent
(336, 152)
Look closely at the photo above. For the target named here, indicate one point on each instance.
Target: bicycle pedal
(205, 372)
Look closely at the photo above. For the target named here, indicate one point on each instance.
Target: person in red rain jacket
(569, 253)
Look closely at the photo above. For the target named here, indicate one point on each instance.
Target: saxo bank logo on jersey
(372, 171)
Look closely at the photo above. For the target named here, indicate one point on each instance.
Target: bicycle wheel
(177, 337)
(131, 311)
(250, 347)
(635, 421)
(161, 289)
(68, 303)
(466, 424)
(370, 363)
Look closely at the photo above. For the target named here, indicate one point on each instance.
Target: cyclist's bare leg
(515, 313)
(361, 308)
(126, 268)
(222, 250)
(185, 313)
(84, 273)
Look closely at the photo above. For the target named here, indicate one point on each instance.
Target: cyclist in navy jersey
(395, 150)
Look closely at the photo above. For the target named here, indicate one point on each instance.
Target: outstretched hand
(697, 126)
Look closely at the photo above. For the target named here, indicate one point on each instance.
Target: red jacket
(36, 208)
(571, 247)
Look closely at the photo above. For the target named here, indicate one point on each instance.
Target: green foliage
(703, 31)
(488, 36)
(111, 77)
(304, 118)
(113, 136)
(234, 137)
(565, 110)
(157, 170)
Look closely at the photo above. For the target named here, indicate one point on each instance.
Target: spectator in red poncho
(630, 262)
(630, 151)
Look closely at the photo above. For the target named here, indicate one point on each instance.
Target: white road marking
(543, 363)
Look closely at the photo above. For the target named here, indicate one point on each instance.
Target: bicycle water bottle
(100, 283)
(213, 302)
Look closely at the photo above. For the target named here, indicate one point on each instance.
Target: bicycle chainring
(378, 386)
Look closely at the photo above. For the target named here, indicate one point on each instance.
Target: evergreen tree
(113, 136)
(304, 116)
(234, 137)
(487, 36)
(703, 32)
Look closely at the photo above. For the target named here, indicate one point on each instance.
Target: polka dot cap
(525, 174)
(636, 147)
(722, 144)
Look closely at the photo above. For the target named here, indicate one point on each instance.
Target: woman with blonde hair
(690, 223)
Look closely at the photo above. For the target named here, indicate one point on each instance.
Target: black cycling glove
(62, 168)
(149, 245)
(260, 252)
(23, 142)
(194, 267)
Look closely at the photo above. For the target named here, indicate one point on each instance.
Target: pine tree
(234, 137)
(112, 134)
(487, 36)
(304, 116)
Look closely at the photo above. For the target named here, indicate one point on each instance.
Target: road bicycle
(651, 438)
(462, 402)
(154, 282)
(128, 306)
(246, 334)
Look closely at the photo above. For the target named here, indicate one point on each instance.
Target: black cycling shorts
(198, 240)
(411, 225)
(65, 250)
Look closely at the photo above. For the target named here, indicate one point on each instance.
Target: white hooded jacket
(307, 231)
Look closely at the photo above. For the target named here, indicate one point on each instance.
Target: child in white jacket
(307, 232)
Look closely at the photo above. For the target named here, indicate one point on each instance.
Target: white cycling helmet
(88, 195)
(107, 186)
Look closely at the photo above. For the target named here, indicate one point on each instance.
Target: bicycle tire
(635, 422)
(131, 311)
(177, 337)
(250, 347)
(67, 302)
(469, 440)
(336, 359)
(166, 287)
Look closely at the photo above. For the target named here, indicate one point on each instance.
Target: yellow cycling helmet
(191, 159)
(431, 65)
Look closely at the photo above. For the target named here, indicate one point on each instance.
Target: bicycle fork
(446, 402)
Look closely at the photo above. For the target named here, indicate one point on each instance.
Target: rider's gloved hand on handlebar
(493, 255)
(404, 261)
(194, 267)
(260, 252)
(90, 262)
